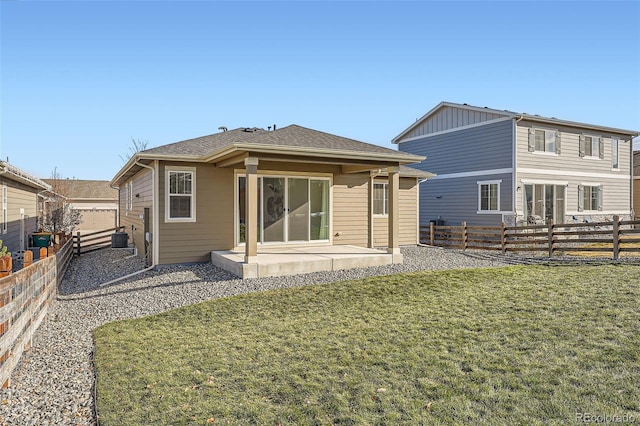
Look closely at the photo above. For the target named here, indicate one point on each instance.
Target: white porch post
(251, 221)
(393, 246)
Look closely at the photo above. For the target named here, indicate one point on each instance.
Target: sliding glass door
(290, 209)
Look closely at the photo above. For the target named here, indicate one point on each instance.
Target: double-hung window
(544, 140)
(589, 197)
(489, 196)
(380, 199)
(181, 195)
(591, 146)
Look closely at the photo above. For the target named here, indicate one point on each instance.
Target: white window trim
(545, 152)
(592, 157)
(386, 194)
(281, 174)
(167, 204)
(590, 211)
(615, 169)
(5, 208)
(130, 195)
(488, 182)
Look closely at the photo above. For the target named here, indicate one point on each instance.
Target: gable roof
(514, 115)
(292, 140)
(636, 163)
(78, 189)
(15, 174)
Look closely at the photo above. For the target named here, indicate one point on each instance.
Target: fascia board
(319, 152)
(548, 120)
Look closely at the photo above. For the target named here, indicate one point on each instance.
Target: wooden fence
(613, 237)
(24, 301)
(85, 243)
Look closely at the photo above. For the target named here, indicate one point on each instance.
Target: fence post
(77, 243)
(550, 234)
(432, 232)
(27, 260)
(616, 237)
(464, 235)
(503, 242)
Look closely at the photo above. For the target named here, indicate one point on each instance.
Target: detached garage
(97, 201)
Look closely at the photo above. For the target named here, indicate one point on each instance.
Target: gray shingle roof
(290, 136)
(636, 163)
(84, 189)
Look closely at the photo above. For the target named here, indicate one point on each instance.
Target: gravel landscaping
(54, 383)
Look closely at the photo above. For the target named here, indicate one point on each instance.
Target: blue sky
(80, 79)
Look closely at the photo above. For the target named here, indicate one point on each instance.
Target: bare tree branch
(136, 146)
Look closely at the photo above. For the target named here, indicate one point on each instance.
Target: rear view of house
(251, 188)
(18, 202)
(496, 166)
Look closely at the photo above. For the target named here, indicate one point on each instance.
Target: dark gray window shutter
(600, 198)
(558, 137)
(601, 148)
(532, 139)
(580, 198)
(581, 146)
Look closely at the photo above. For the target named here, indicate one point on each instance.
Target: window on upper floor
(591, 146)
(380, 199)
(488, 196)
(544, 140)
(589, 197)
(615, 158)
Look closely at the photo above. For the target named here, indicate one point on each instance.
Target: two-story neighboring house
(496, 166)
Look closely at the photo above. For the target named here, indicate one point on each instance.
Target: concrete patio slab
(293, 260)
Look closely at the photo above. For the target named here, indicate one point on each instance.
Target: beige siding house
(19, 206)
(95, 199)
(495, 166)
(248, 189)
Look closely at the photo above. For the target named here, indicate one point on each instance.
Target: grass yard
(516, 345)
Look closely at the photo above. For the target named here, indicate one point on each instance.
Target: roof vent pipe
(274, 127)
(223, 128)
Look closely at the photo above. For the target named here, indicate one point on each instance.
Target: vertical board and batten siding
(132, 220)
(569, 167)
(450, 118)
(408, 217)
(19, 196)
(351, 209)
(187, 242)
(481, 148)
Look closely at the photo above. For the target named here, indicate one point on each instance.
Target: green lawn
(516, 345)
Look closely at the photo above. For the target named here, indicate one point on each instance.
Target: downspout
(514, 181)
(154, 237)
